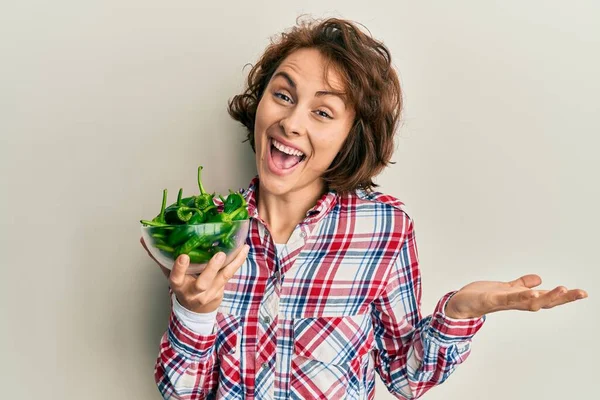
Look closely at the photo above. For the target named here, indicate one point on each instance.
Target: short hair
(365, 67)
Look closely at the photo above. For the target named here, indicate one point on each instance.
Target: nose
(293, 122)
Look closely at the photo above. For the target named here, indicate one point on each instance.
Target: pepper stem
(185, 213)
(236, 212)
(152, 223)
(161, 217)
(179, 196)
(202, 191)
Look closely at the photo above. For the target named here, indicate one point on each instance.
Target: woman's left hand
(484, 297)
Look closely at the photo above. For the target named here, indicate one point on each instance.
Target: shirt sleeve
(186, 364)
(202, 324)
(414, 354)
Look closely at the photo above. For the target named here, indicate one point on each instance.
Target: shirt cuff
(446, 331)
(202, 324)
(190, 344)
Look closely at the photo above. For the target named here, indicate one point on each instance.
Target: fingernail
(246, 248)
(184, 260)
(220, 257)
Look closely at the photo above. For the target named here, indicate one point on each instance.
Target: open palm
(483, 297)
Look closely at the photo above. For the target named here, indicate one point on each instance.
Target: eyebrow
(320, 93)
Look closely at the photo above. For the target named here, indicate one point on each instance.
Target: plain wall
(103, 104)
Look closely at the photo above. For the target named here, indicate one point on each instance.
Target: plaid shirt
(341, 302)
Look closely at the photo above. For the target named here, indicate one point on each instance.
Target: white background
(103, 104)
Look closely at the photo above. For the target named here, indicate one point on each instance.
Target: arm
(414, 354)
(185, 367)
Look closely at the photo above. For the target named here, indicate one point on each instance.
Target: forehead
(310, 67)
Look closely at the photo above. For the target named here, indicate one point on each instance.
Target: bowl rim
(237, 221)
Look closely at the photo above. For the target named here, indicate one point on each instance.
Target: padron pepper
(204, 199)
(184, 232)
(180, 235)
(228, 241)
(159, 220)
(226, 217)
(201, 216)
(200, 256)
(194, 242)
(174, 214)
(233, 202)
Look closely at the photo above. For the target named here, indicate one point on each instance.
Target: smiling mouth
(283, 160)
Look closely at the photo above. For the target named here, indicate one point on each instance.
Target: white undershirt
(202, 323)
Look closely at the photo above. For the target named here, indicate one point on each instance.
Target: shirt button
(303, 234)
(264, 366)
(267, 320)
(440, 319)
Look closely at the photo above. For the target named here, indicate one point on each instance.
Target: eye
(282, 96)
(324, 114)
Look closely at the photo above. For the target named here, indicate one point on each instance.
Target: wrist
(451, 311)
(209, 308)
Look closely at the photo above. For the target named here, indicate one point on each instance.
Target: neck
(282, 213)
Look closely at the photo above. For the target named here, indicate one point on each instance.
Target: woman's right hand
(202, 293)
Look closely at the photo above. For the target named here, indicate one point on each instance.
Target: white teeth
(286, 149)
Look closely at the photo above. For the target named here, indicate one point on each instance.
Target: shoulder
(383, 209)
(379, 200)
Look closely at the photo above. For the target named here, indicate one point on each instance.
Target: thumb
(528, 281)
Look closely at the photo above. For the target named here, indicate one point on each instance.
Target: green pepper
(164, 247)
(208, 241)
(180, 235)
(242, 215)
(159, 220)
(233, 202)
(204, 199)
(228, 241)
(200, 216)
(185, 214)
(160, 237)
(194, 242)
(172, 213)
(228, 217)
(199, 256)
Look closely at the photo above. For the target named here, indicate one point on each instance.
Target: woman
(327, 290)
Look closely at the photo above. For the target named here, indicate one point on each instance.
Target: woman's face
(301, 125)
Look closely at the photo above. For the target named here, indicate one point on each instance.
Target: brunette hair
(371, 83)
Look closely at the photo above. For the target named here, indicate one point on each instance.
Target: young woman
(327, 290)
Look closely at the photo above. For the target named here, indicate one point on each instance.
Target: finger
(547, 297)
(177, 276)
(528, 281)
(566, 297)
(225, 274)
(207, 277)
